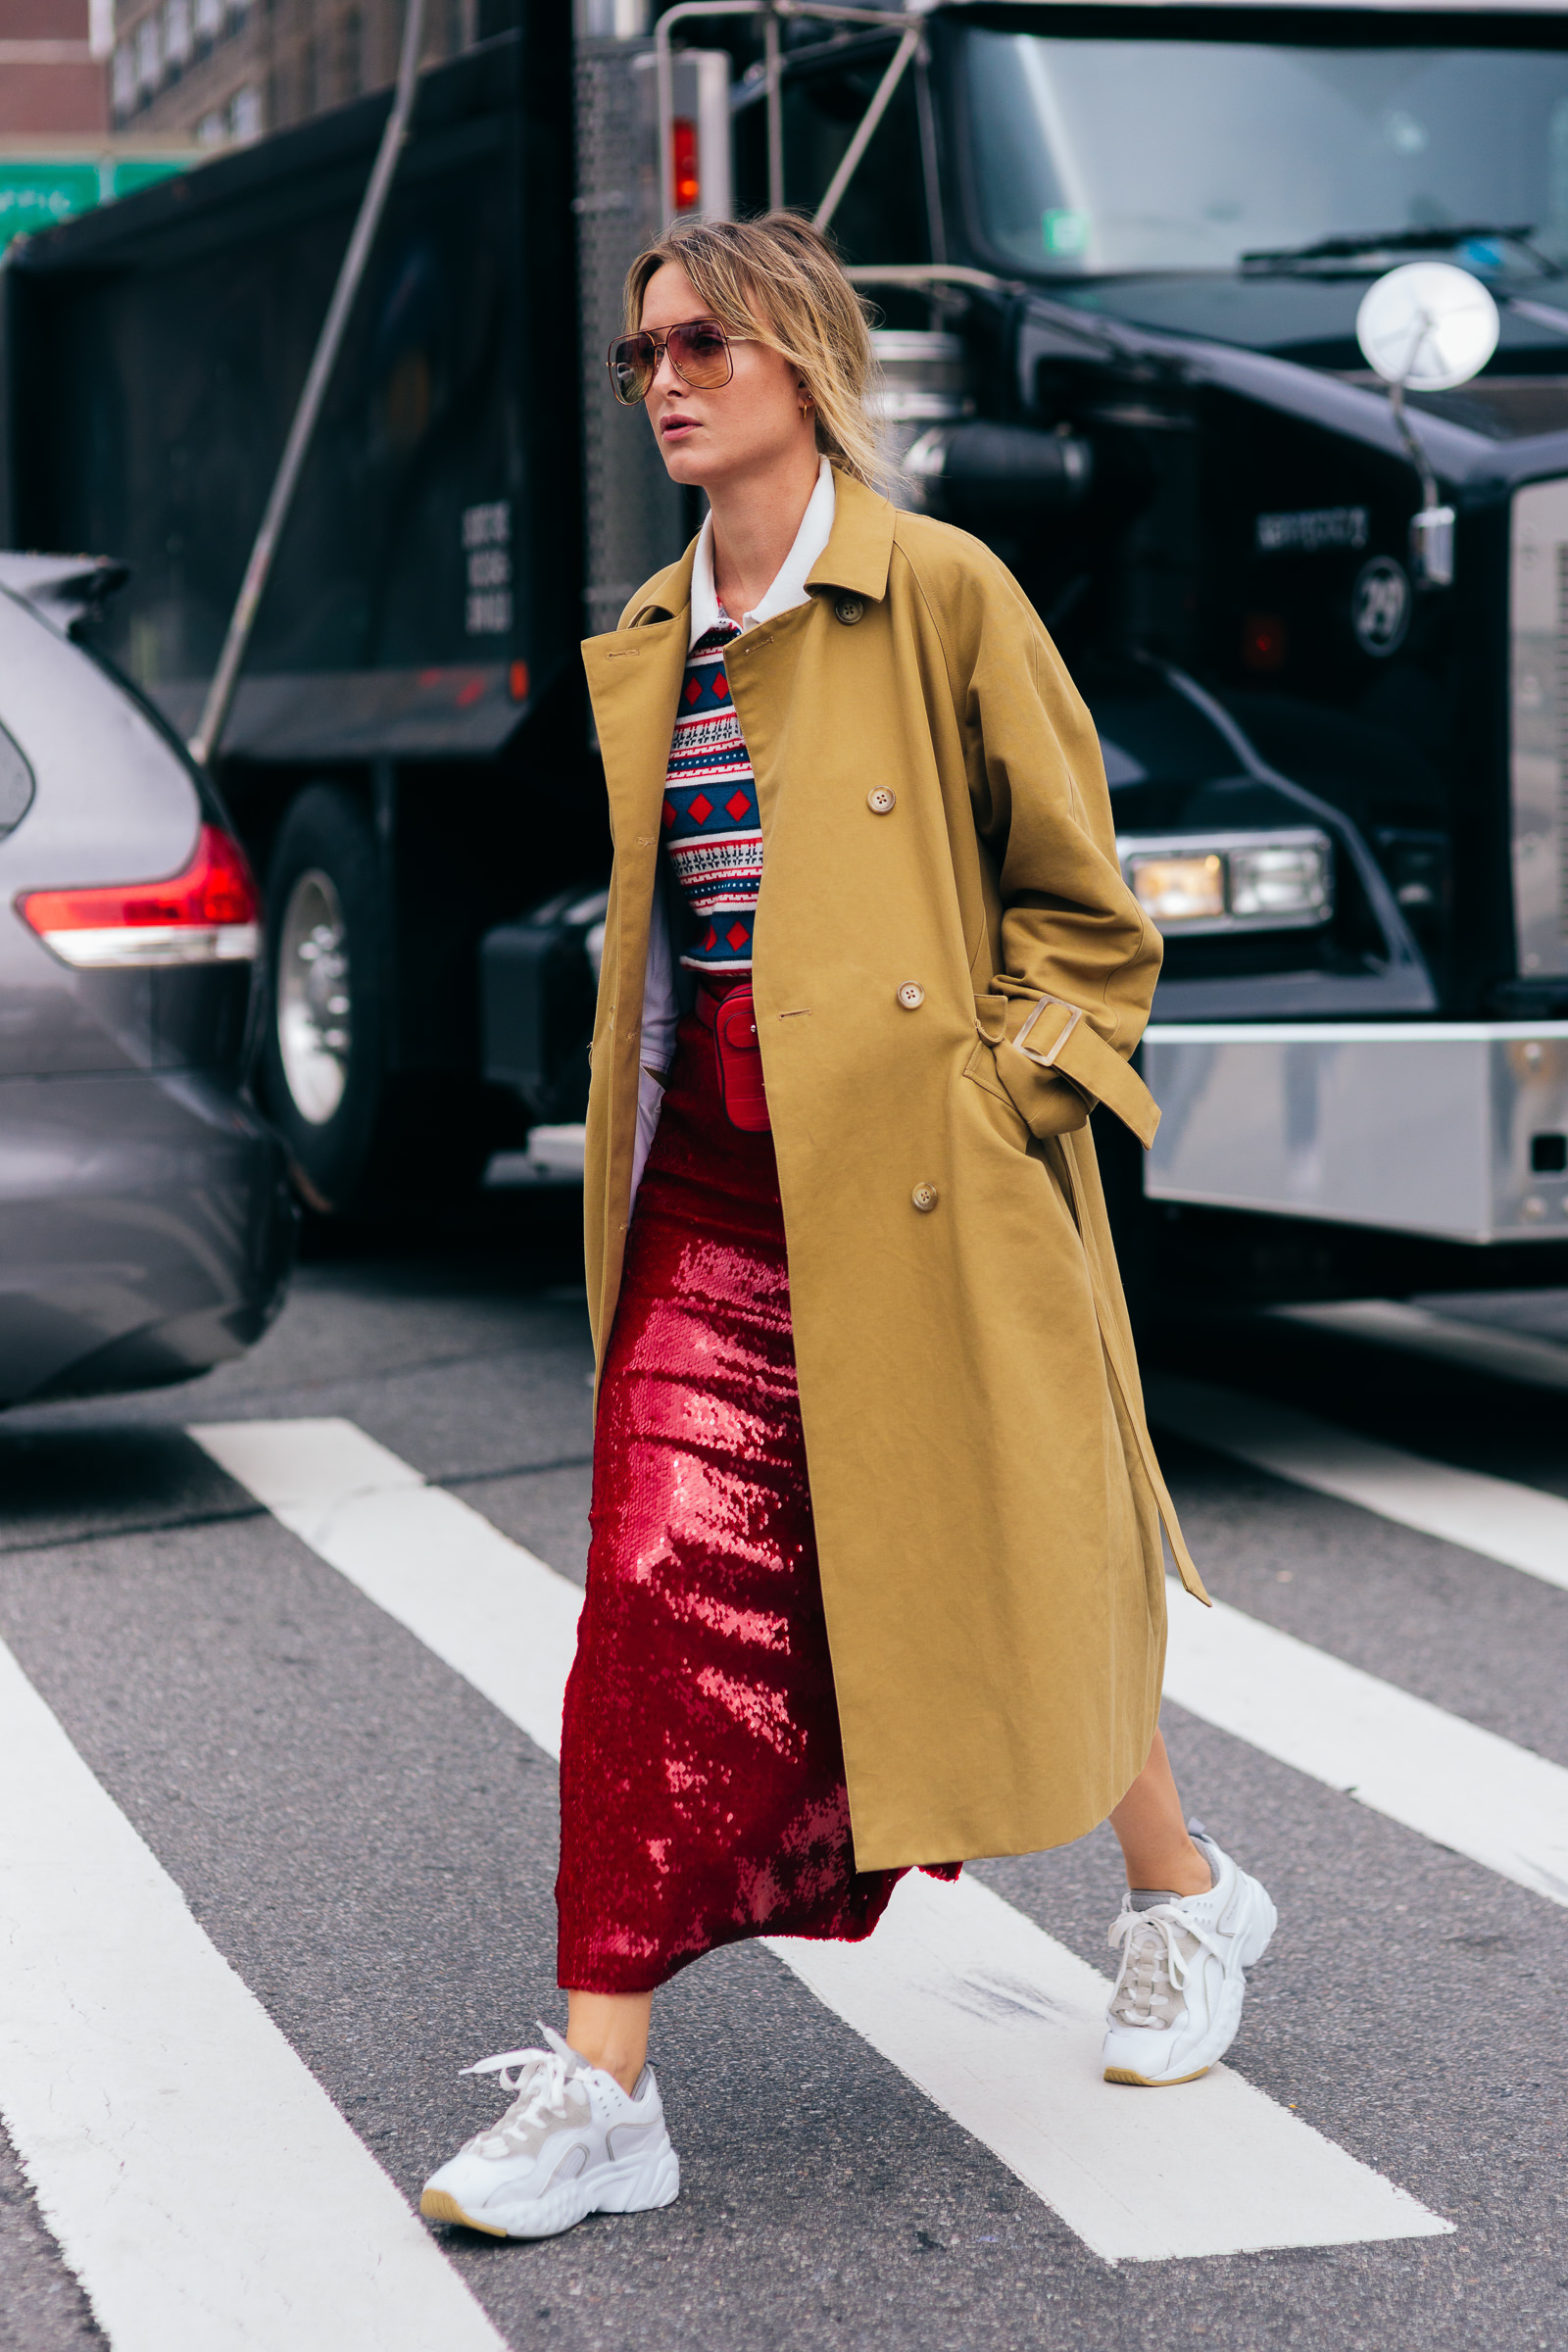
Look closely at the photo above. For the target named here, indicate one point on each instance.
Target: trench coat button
(911, 995)
(849, 609)
(881, 800)
(924, 1196)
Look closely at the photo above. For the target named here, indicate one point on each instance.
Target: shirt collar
(789, 588)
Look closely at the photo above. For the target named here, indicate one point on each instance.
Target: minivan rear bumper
(146, 1231)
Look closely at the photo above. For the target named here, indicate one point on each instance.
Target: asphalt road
(371, 1844)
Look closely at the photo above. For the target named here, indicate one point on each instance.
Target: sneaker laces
(1160, 1948)
(539, 2090)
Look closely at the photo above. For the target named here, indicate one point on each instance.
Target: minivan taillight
(207, 913)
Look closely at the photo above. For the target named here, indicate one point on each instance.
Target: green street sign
(38, 194)
(142, 172)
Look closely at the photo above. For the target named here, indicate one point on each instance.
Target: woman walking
(876, 1577)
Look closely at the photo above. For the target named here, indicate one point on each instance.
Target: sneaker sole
(635, 2189)
(1124, 2074)
(437, 2206)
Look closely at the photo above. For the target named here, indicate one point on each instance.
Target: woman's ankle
(1184, 1871)
(609, 2031)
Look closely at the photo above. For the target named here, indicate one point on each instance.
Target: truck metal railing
(907, 21)
(253, 587)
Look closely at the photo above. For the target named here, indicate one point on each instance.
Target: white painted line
(996, 2022)
(1517, 1524)
(1451, 1339)
(1463, 1786)
(496, 1614)
(197, 2179)
(1001, 2026)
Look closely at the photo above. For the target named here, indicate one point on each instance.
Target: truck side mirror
(1427, 326)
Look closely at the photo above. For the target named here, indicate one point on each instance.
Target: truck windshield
(1111, 156)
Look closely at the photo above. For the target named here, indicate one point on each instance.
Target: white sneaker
(571, 2143)
(1180, 1986)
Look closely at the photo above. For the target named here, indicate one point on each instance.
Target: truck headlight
(1276, 881)
(1289, 880)
(1178, 890)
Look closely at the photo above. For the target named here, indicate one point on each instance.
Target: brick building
(52, 55)
(218, 71)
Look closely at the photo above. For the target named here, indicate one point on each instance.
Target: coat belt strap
(1127, 1387)
(1079, 1052)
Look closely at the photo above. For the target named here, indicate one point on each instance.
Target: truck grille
(1538, 629)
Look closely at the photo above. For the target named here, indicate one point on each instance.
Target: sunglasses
(699, 353)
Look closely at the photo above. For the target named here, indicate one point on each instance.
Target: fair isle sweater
(713, 825)
(712, 831)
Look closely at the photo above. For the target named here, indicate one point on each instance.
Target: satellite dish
(1427, 326)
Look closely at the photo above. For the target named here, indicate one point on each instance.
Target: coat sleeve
(1079, 956)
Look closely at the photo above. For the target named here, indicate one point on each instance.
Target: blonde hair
(778, 280)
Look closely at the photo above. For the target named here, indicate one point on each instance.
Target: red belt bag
(733, 1020)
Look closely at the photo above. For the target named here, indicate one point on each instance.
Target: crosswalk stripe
(1451, 1338)
(196, 2178)
(1000, 2025)
(1454, 1782)
(996, 2022)
(1502, 1520)
(485, 1605)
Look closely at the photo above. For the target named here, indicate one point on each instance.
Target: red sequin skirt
(702, 1772)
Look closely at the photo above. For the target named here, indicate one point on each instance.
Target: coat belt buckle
(1048, 1061)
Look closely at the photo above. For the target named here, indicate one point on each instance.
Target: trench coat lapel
(634, 683)
(634, 676)
(860, 545)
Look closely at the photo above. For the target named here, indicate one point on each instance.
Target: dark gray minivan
(145, 1225)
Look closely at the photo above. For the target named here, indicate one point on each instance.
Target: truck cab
(1120, 256)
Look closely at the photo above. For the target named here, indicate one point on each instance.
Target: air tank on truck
(1240, 333)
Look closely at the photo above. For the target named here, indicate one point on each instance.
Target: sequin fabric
(702, 1775)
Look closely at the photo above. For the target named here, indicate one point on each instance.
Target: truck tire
(322, 1070)
(361, 1141)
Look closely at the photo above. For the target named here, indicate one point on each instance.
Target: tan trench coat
(987, 1501)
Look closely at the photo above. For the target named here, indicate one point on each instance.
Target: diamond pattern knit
(712, 827)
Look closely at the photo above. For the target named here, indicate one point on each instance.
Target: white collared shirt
(789, 585)
(661, 1012)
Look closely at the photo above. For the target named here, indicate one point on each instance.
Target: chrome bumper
(1441, 1128)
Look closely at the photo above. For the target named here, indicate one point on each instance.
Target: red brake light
(206, 914)
(688, 186)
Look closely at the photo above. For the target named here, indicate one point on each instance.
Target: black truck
(1118, 254)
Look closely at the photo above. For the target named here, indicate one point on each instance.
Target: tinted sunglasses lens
(633, 364)
(701, 354)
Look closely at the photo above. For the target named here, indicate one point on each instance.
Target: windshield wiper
(1391, 241)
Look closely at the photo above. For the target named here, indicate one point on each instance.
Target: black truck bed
(426, 592)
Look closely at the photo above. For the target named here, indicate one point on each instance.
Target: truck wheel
(322, 1070)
